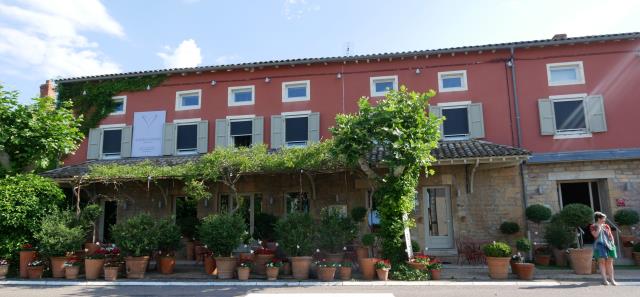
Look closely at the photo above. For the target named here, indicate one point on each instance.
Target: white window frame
(124, 105)
(463, 81)
(232, 102)
(579, 69)
(374, 79)
(110, 127)
(238, 118)
(456, 105)
(184, 122)
(576, 133)
(285, 94)
(179, 95)
(289, 115)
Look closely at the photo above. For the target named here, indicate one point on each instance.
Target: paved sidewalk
(480, 273)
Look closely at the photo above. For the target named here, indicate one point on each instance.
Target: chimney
(559, 36)
(47, 89)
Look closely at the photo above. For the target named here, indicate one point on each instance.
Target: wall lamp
(267, 79)
(339, 75)
(213, 82)
(418, 71)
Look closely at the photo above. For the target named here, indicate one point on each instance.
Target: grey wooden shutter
(313, 127)
(258, 130)
(203, 137)
(476, 120)
(277, 136)
(221, 132)
(437, 111)
(547, 120)
(595, 113)
(93, 150)
(125, 142)
(169, 146)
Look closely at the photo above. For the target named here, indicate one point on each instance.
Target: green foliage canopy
(60, 233)
(222, 233)
(295, 233)
(136, 236)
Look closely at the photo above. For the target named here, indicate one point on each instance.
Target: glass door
(438, 219)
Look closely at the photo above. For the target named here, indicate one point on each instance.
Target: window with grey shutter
(240, 132)
(203, 137)
(476, 120)
(276, 131)
(169, 145)
(258, 130)
(125, 143)
(186, 138)
(111, 146)
(547, 121)
(595, 113)
(95, 137)
(313, 133)
(221, 132)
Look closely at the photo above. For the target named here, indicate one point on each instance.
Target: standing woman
(604, 249)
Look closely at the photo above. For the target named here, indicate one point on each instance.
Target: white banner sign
(148, 129)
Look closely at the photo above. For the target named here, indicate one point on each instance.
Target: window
(121, 105)
(186, 100)
(381, 85)
(187, 138)
(452, 81)
(572, 115)
(569, 116)
(241, 95)
(296, 130)
(570, 73)
(111, 143)
(456, 123)
(297, 202)
(241, 132)
(296, 91)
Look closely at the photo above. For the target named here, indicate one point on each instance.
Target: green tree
(35, 136)
(399, 127)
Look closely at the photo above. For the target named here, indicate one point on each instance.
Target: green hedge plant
(523, 245)
(136, 236)
(295, 234)
(59, 234)
(222, 233)
(558, 234)
(169, 236)
(509, 228)
(335, 231)
(577, 215)
(538, 213)
(497, 249)
(626, 217)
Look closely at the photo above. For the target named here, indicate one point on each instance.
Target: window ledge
(446, 90)
(571, 136)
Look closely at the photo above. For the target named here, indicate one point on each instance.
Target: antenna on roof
(348, 48)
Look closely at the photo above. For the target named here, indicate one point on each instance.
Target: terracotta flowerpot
(326, 274)
(210, 266)
(190, 250)
(418, 266)
(71, 272)
(525, 270)
(581, 260)
(362, 252)
(543, 260)
(272, 273)
(300, 267)
(286, 268)
(4, 269)
(636, 258)
(514, 267)
(383, 274)
(92, 268)
(627, 238)
(25, 258)
(166, 264)
(498, 267)
(335, 258)
(260, 261)
(57, 266)
(91, 248)
(226, 267)
(435, 274)
(136, 266)
(560, 256)
(111, 273)
(345, 273)
(367, 267)
(35, 272)
(243, 273)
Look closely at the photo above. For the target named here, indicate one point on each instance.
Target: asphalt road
(565, 290)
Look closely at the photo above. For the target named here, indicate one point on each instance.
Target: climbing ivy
(93, 99)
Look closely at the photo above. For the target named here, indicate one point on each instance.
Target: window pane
(564, 74)
(452, 82)
(569, 115)
(383, 86)
(241, 128)
(190, 100)
(187, 137)
(296, 129)
(224, 203)
(119, 106)
(456, 123)
(242, 96)
(111, 141)
(242, 141)
(297, 202)
(296, 91)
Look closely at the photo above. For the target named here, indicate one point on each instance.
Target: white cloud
(187, 54)
(227, 59)
(44, 40)
(295, 9)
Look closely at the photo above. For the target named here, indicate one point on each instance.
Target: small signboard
(407, 237)
(148, 130)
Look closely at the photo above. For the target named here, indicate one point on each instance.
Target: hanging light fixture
(418, 71)
(267, 79)
(339, 76)
(213, 82)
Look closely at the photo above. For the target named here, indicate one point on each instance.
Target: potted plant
(435, 269)
(27, 254)
(137, 237)
(542, 255)
(367, 264)
(88, 218)
(286, 267)
(35, 268)
(420, 262)
(222, 233)
(625, 218)
(523, 270)
(498, 256)
(335, 231)
(262, 256)
(345, 270)
(169, 241)
(560, 236)
(382, 269)
(538, 213)
(636, 253)
(326, 270)
(72, 267)
(93, 263)
(4, 268)
(295, 233)
(244, 270)
(358, 215)
(523, 245)
(577, 216)
(58, 237)
(111, 271)
(273, 268)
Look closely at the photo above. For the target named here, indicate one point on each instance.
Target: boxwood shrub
(538, 213)
(222, 233)
(497, 249)
(509, 228)
(136, 236)
(626, 217)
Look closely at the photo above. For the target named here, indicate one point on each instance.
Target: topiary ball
(538, 213)
(577, 215)
(523, 245)
(626, 217)
(509, 228)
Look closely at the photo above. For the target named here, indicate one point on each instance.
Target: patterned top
(605, 227)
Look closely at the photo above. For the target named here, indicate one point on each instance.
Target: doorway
(187, 216)
(581, 192)
(438, 218)
(110, 218)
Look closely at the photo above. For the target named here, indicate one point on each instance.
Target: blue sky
(43, 39)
